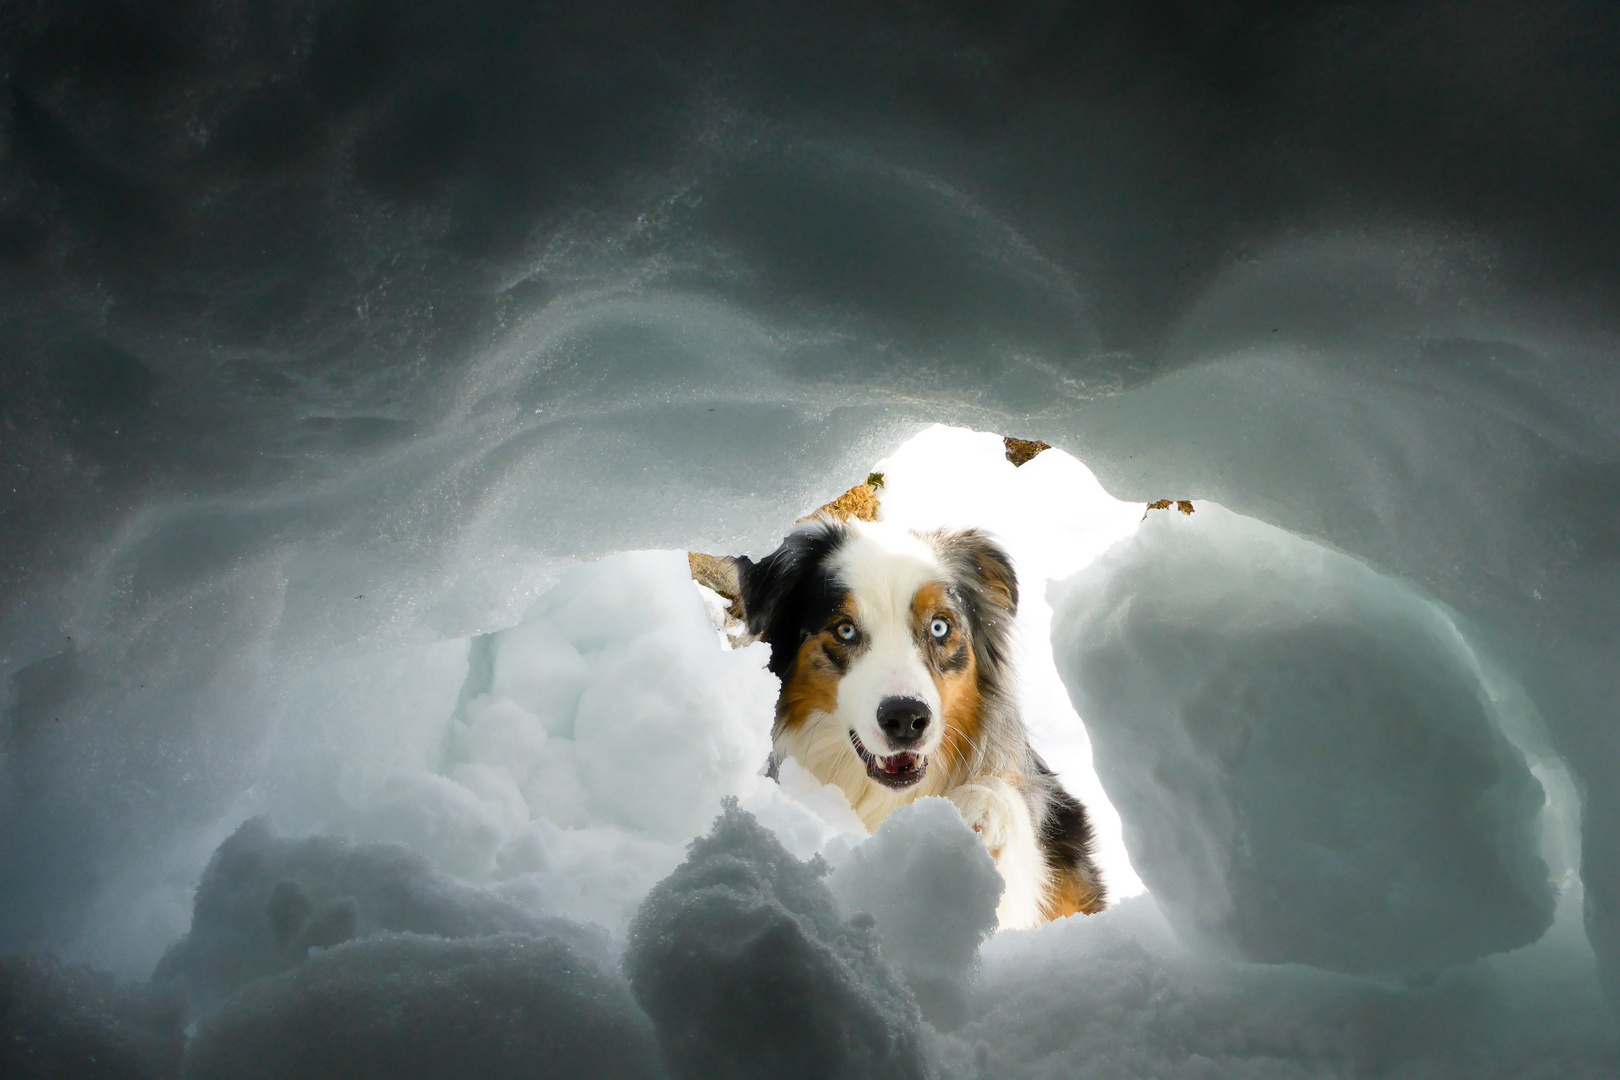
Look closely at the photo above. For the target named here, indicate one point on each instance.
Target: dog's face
(885, 636)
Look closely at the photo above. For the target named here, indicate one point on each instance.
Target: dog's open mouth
(897, 770)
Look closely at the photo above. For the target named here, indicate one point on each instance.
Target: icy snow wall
(334, 334)
(1307, 759)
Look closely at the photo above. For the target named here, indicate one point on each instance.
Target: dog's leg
(998, 813)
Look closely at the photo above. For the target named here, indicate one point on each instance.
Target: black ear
(779, 590)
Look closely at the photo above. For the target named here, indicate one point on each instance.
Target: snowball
(743, 963)
(404, 1005)
(671, 723)
(807, 816)
(932, 887)
(555, 791)
(495, 786)
(538, 670)
(434, 815)
(1307, 764)
(502, 733)
(613, 704)
(625, 595)
(597, 874)
(264, 903)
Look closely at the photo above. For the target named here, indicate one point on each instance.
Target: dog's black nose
(903, 719)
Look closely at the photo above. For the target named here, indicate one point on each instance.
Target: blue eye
(846, 631)
(940, 629)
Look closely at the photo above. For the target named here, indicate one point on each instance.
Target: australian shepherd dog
(894, 648)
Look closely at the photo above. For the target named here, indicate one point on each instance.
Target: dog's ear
(769, 586)
(975, 552)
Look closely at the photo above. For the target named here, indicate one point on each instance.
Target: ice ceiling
(336, 329)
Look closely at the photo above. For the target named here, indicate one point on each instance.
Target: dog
(894, 651)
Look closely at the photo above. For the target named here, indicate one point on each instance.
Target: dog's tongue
(904, 761)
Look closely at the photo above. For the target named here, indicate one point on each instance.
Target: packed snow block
(932, 888)
(748, 970)
(264, 904)
(58, 1022)
(1307, 765)
(411, 1007)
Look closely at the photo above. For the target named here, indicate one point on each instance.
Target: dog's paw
(988, 808)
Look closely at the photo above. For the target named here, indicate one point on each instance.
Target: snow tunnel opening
(559, 766)
(1059, 524)
(562, 733)
(470, 751)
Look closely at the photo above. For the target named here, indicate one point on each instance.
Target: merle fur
(791, 594)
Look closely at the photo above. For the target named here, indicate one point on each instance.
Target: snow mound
(58, 1021)
(613, 704)
(265, 904)
(1308, 766)
(405, 1005)
(747, 969)
(1117, 996)
(932, 888)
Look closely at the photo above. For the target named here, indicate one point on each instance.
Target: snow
(1309, 764)
(1119, 997)
(76, 1021)
(469, 840)
(747, 968)
(338, 337)
(380, 1008)
(264, 904)
(932, 889)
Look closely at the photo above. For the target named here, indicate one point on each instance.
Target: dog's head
(894, 636)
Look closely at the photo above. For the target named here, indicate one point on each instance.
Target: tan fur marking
(813, 685)
(958, 690)
(811, 688)
(1070, 894)
(959, 695)
(928, 599)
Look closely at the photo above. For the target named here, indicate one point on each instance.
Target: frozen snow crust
(336, 333)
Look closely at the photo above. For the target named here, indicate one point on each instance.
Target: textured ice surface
(405, 1005)
(1308, 763)
(932, 888)
(747, 968)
